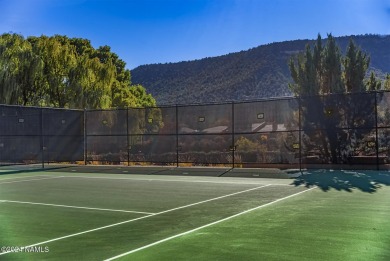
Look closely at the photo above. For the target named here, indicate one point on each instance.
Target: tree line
(323, 70)
(337, 126)
(65, 72)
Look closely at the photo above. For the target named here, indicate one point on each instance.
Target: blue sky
(160, 31)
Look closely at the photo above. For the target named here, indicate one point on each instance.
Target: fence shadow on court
(342, 180)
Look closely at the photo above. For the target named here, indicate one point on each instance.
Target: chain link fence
(330, 131)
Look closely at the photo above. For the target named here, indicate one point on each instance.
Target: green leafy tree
(92, 82)
(9, 68)
(60, 59)
(65, 72)
(20, 71)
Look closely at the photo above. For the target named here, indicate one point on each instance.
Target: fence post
(128, 137)
(85, 136)
(300, 132)
(376, 131)
(42, 142)
(177, 136)
(233, 136)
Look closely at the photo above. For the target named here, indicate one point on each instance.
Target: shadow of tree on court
(344, 180)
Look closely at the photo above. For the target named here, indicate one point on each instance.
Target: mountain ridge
(259, 72)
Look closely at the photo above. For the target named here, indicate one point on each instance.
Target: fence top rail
(341, 94)
(270, 99)
(200, 104)
(39, 107)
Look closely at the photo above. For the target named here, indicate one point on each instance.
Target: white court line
(26, 180)
(67, 206)
(204, 226)
(135, 219)
(175, 180)
(25, 177)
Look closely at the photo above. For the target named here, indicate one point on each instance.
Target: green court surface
(61, 214)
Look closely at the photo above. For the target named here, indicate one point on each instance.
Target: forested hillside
(260, 72)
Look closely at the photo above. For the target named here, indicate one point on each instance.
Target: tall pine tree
(355, 67)
(323, 71)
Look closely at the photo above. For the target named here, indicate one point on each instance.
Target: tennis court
(66, 213)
